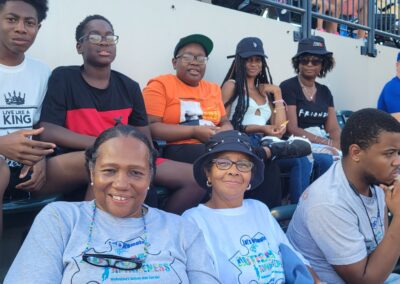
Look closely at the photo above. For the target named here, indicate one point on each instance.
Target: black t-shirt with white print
(309, 113)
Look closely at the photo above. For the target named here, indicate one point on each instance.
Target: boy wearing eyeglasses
(23, 83)
(83, 101)
(184, 109)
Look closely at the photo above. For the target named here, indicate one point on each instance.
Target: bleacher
(151, 60)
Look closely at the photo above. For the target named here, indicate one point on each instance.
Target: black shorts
(11, 192)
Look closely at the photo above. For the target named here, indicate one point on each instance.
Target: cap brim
(199, 166)
(203, 40)
(248, 54)
(321, 52)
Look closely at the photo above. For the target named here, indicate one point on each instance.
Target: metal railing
(378, 19)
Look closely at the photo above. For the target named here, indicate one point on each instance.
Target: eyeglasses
(97, 39)
(225, 164)
(108, 260)
(314, 61)
(189, 58)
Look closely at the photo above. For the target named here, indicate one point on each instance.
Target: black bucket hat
(203, 40)
(232, 141)
(249, 46)
(313, 45)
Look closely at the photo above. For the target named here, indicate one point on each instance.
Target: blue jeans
(322, 162)
(299, 170)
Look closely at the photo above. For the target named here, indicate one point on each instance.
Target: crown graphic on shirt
(14, 99)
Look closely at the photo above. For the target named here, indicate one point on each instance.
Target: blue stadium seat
(342, 116)
(283, 214)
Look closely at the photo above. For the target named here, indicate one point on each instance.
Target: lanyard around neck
(366, 210)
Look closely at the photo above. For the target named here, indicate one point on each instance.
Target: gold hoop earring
(248, 187)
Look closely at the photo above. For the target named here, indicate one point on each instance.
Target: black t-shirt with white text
(309, 113)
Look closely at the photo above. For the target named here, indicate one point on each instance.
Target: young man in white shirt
(23, 82)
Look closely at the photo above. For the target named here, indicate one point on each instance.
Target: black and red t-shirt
(72, 103)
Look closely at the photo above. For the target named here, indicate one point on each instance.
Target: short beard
(372, 180)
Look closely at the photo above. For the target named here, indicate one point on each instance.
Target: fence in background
(351, 18)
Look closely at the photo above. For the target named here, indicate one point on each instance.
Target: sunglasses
(314, 61)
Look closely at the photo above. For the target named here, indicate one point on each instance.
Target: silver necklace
(309, 92)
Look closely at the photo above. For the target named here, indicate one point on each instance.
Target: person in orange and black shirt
(185, 111)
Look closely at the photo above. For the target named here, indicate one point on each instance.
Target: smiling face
(18, 29)
(228, 186)
(121, 176)
(253, 66)
(101, 54)
(310, 66)
(381, 161)
(190, 73)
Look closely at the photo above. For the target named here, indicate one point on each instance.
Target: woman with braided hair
(255, 106)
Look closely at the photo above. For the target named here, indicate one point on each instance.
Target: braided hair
(237, 72)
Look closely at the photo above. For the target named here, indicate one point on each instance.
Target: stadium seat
(342, 116)
(27, 205)
(283, 214)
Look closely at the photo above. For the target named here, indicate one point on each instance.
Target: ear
(174, 62)
(207, 174)
(79, 48)
(355, 152)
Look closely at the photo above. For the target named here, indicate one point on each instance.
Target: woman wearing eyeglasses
(310, 109)
(245, 240)
(115, 238)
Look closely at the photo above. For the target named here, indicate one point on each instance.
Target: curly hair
(328, 62)
(82, 25)
(237, 72)
(41, 7)
(364, 127)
